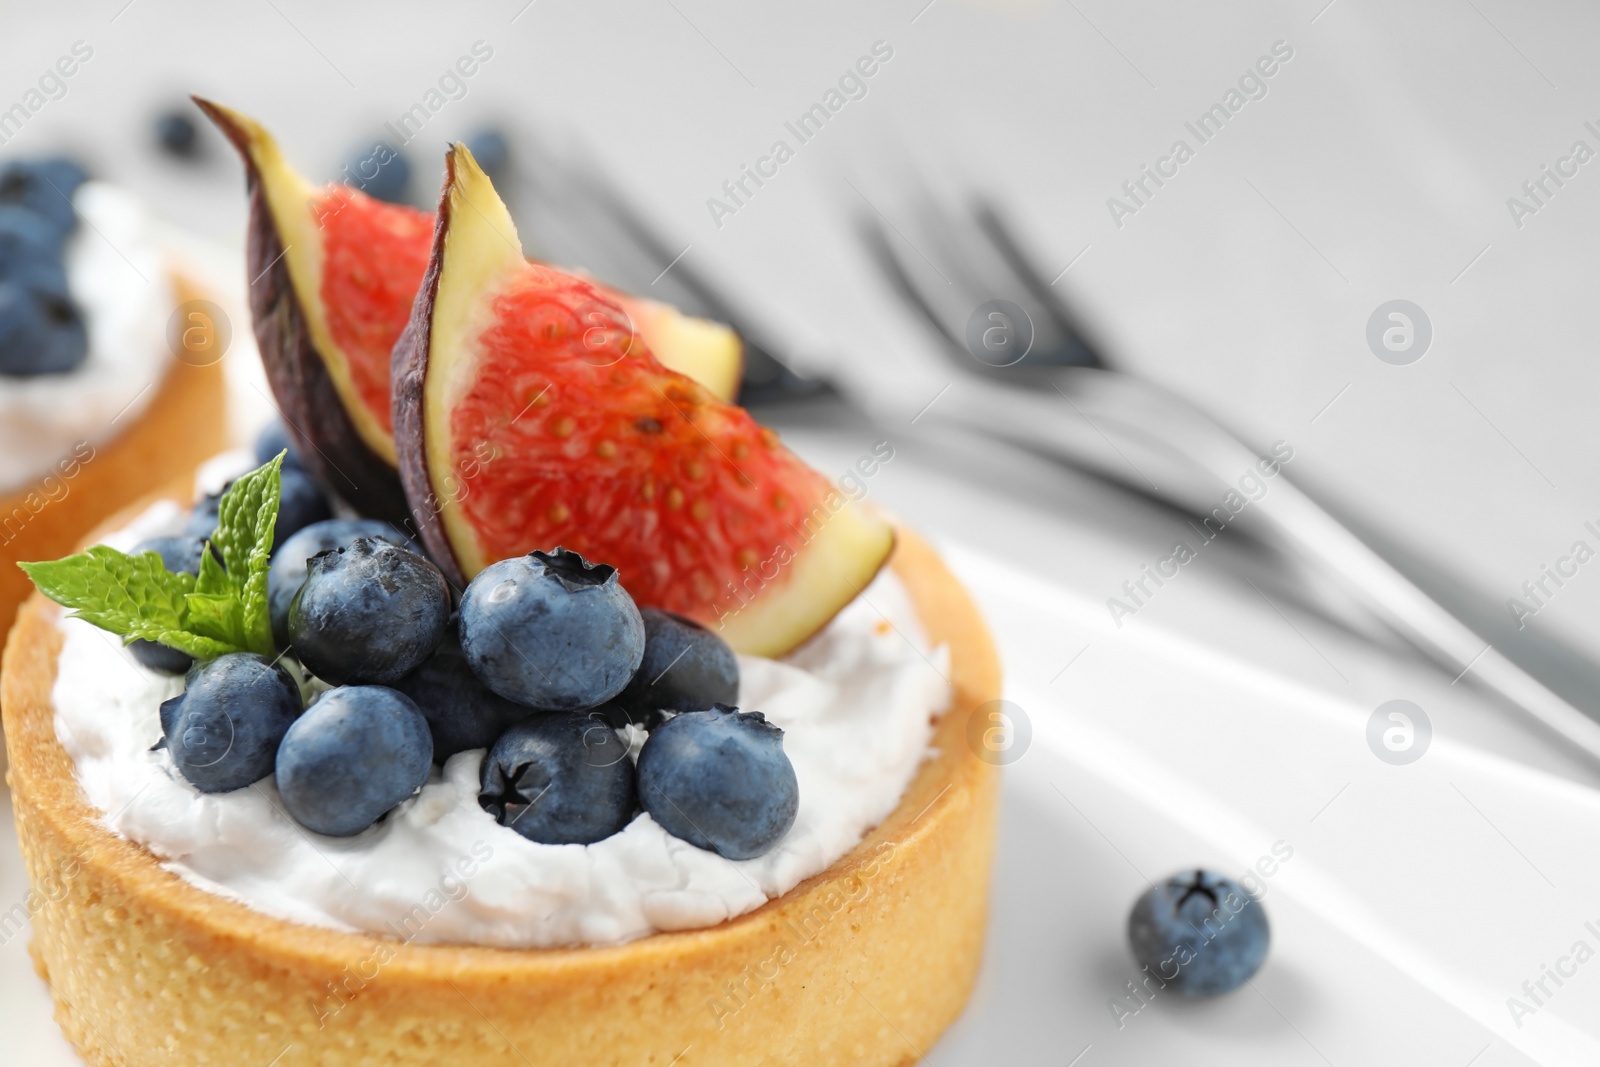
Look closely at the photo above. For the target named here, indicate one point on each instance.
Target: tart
(95, 411)
(552, 679)
(865, 963)
(184, 423)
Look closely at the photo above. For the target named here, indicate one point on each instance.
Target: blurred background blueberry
(492, 149)
(274, 438)
(177, 134)
(379, 171)
(44, 187)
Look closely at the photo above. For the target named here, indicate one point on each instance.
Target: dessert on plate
(95, 410)
(633, 742)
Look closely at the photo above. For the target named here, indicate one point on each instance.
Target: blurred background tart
(96, 411)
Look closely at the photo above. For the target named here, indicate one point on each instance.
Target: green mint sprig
(223, 610)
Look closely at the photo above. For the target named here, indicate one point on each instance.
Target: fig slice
(528, 415)
(334, 276)
(340, 432)
(709, 352)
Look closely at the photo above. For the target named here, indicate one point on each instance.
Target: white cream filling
(117, 274)
(857, 705)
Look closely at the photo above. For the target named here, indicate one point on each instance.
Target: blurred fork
(576, 216)
(1059, 396)
(1061, 399)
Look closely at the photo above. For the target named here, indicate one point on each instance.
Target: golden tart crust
(866, 963)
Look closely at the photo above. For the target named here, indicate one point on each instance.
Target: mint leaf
(201, 648)
(247, 515)
(134, 596)
(222, 610)
(114, 590)
(217, 617)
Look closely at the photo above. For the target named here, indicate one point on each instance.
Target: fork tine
(1004, 242)
(892, 269)
(766, 378)
(634, 225)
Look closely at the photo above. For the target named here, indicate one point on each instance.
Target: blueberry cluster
(41, 330)
(546, 663)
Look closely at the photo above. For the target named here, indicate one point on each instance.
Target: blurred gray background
(1375, 164)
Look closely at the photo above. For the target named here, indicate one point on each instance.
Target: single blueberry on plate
(300, 503)
(288, 569)
(720, 780)
(551, 630)
(1199, 933)
(180, 555)
(356, 753)
(686, 667)
(40, 332)
(368, 613)
(223, 730)
(379, 171)
(176, 134)
(274, 438)
(559, 778)
(44, 187)
(462, 712)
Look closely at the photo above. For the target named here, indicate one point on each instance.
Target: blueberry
(45, 188)
(31, 251)
(223, 730)
(492, 149)
(272, 439)
(40, 332)
(381, 172)
(180, 555)
(560, 778)
(201, 521)
(368, 613)
(462, 712)
(719, 780)
(356, 753)
(551, 630)
(177, 135)
(300, 503)
(686, 668)
(288, 569)
(1199, 933)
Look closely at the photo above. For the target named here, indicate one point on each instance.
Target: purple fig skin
(326, 440)
(408, 373)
